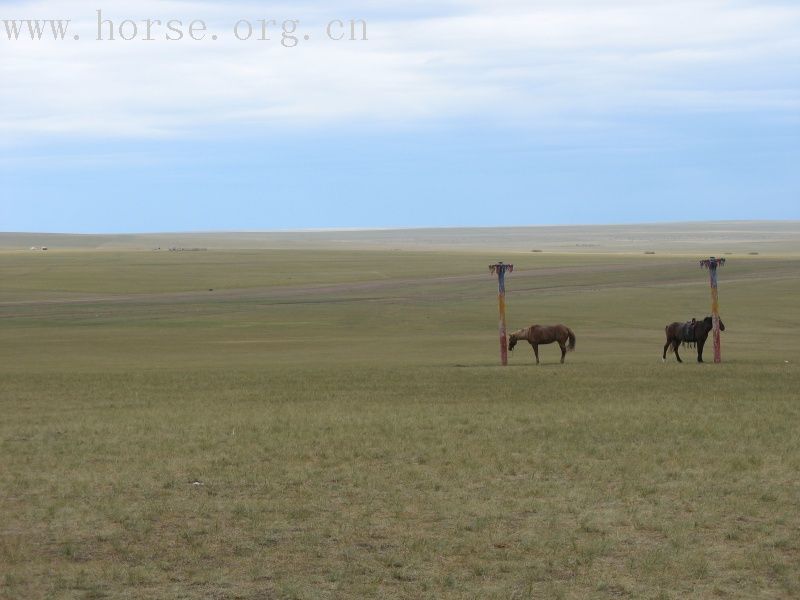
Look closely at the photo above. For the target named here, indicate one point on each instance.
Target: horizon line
(408, 228)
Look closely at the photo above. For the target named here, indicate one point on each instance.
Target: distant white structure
(34, 248)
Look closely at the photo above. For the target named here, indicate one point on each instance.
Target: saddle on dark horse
(687, 332)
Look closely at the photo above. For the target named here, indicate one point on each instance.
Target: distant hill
(776, 237)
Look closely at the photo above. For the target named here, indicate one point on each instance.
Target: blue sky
(469, 113)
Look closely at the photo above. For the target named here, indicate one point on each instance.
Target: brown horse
(691, 332)
(544, 334)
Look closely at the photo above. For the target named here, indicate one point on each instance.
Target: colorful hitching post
(711, 264)
(500, 270)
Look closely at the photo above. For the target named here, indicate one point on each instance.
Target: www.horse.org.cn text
(289, 33)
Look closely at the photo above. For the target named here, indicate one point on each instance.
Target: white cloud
(507, 60)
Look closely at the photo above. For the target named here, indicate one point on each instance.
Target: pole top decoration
(712, 263)
(501, 268)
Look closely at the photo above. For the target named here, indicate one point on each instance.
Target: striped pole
(500, 270)
(711, 264)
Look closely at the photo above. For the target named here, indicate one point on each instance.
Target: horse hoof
(663, 360)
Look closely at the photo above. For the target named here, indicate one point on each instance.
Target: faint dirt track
(355, 291)
(279, 292)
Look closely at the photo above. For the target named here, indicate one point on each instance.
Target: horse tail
(571, 345)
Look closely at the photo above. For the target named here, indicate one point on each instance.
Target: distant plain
(322, 415)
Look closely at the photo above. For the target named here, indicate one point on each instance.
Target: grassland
(333, 424)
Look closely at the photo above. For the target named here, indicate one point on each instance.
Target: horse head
(512, 341)
(709, 323)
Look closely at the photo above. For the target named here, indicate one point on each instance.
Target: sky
(468, 113)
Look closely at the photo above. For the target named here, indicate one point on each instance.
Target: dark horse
(544, 334)
(691, 332)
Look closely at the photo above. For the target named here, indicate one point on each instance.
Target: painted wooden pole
(500, 270)
(711, 264)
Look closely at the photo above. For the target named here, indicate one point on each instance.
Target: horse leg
(675, 345)
(664, 355)
(563, 351)
(536, 352)
(700, 350)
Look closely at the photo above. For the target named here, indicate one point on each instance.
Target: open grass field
(333, 423)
